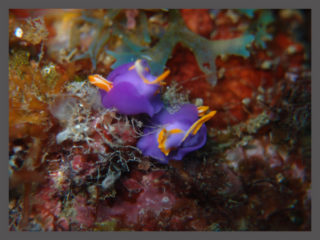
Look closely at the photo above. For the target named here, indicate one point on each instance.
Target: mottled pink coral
(85, 213)
(152, 198)
(46, 207)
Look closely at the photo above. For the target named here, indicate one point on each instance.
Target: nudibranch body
(175, 135)
(131, 89)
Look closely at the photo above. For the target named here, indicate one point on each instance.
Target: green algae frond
(131, 49)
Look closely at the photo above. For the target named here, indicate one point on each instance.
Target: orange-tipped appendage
(175, 130)
(138, 66)
(162, 138)
(132, 67)
(100, 82)
(202, 110)
(198, 124)
(160, 78)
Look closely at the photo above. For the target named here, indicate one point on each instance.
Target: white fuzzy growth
(110, 179)
(62, 136)
(77, 133)
(64, 108)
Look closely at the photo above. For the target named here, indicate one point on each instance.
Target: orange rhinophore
(100, 82)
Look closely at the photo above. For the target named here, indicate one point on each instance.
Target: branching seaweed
(261, 28)
(204, 50)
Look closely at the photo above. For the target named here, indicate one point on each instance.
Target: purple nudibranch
(131, 89)
(175, 135)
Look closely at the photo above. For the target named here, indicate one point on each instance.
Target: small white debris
(110, 179)
(18, 32)
(47, 69)
(17, 149)
(291, 49)
(165, 199)
(266, 64)
(246, 101)
(198, 102)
